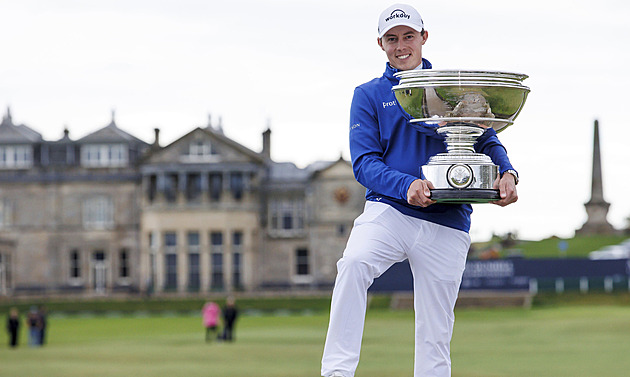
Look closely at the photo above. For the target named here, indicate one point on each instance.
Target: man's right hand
(418, 193)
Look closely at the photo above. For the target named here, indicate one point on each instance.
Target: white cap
(399, 14)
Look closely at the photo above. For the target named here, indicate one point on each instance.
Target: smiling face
(403, 47)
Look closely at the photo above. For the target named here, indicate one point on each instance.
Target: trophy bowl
(460, 106)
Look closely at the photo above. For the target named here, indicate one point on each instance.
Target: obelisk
(597, 207)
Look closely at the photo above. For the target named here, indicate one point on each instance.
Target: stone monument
(597, 207)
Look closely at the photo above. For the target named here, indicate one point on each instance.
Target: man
(13, 327)
(400, 221)
(230, 313)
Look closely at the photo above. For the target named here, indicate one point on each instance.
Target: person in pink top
(210, 314)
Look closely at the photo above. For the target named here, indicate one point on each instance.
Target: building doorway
(99, 272)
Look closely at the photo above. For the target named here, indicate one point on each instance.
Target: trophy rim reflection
(459, 105)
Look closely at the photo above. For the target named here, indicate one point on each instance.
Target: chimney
(156, 142)
(220, 126)
(266, 148)
(6, 120)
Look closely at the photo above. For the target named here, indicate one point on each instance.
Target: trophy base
(454, 196)
(462, 178)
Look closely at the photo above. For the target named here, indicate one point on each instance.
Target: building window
(75, 264)
(216, 253)
(170, 281)
(98, 213)
(216, 186)
(287, 220)
(170, 242)
(216, 242)
(194, 279)
(123, 264)
(237, 185)
(171, 181)
(16, 156)
(199, 148)
(193, 187)
(237, 259)
(237, 241)
(199, 151)
(237, 267)
(193, 242)
(301, 262)
(170, 261)
(286, 216)
(152, 189)
(217, 271)
(104, 155)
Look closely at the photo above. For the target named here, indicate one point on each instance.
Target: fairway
(567, 341)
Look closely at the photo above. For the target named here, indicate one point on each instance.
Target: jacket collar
(389, 70)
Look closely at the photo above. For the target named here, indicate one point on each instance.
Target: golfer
(400, 221)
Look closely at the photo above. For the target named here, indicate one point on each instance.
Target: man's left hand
(507, 189)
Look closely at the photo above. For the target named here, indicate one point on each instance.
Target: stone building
(217, 216)
(110, 213)
(69, 209)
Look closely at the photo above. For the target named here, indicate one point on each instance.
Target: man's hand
(507, 189)
(418, 193)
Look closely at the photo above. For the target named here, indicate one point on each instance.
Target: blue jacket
(387, 152)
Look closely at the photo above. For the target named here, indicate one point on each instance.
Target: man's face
(403, 47)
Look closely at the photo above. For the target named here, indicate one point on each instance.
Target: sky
(292, 66)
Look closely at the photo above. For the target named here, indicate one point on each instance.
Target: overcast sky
(293, 65)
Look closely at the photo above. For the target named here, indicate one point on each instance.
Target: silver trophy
(458, 106)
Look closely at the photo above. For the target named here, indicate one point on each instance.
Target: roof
(109, 134)
(11, 133)
(287, 171)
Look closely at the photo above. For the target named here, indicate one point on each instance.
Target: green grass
(570, 340)
(577, 247)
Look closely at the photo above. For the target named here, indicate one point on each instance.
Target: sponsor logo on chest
(390, 103)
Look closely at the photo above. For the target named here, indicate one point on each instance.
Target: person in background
(33, 321)
(210, 313)
(230, 313)
(43, 324)
(13, 327)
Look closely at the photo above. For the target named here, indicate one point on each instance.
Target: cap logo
(397, 13)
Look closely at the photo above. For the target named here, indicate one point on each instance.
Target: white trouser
(382, 236)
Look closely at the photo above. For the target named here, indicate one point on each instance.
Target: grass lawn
(577, 247)
(551, 341)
